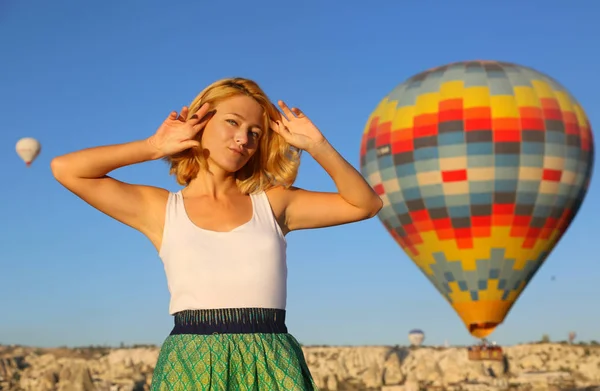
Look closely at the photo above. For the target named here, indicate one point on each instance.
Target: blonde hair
(275, 161)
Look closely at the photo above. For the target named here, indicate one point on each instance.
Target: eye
(255, 134)
(231, 121)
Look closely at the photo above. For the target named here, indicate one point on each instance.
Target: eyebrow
(242, 117)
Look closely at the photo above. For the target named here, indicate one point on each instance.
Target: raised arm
(85, 173)
(303, 209)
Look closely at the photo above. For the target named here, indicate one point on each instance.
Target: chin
(231, 164)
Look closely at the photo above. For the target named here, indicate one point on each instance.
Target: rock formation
(335, 368)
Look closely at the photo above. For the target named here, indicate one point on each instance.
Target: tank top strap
(174, 208)
(173, 211)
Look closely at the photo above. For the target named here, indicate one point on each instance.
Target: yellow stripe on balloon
(452, 89)
(476, 97)
(499, 238)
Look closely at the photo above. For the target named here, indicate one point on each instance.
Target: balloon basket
(485, 353)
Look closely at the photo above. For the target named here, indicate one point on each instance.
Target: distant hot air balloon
(28, 149)
(416, 337)
(482, 166)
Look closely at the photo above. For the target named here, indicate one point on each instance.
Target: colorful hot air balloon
(28, 149)
(482, 166)
(416, 337)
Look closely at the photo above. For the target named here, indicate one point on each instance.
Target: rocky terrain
(540, 366)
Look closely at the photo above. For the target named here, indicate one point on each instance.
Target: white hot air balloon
(28, 149)
(416, 337)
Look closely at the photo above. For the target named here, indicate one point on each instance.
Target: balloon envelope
(416, 337)
(481, 166)
(28, 149)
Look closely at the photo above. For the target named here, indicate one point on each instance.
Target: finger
(203, 121)
(206, 117)
(299, 113)
(173, 115)
(282, 129)
(286, 110)
(184, 113)
(200, 114)
(191, 144)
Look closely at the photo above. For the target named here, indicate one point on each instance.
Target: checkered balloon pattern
(482, 166)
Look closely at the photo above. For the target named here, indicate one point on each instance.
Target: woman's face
(231, 137)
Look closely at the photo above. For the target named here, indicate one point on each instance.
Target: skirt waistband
(230, 321)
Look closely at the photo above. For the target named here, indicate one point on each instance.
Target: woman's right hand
(177, 133)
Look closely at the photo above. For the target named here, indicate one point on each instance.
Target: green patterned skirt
(231, 349)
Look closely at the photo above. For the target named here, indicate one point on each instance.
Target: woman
(222, 237)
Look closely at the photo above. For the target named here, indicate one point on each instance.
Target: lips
(237, 151)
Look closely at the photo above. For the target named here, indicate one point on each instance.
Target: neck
(213, 183)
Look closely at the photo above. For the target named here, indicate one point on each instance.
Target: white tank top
(245, 267)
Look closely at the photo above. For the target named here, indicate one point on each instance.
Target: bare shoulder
(156, 197)
(153, 193)
(278, 198)
(155, 202)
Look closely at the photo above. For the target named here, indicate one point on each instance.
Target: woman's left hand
(297, 129)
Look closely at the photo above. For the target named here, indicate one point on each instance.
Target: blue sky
(78, 74)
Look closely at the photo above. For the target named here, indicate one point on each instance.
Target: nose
(241, 136)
